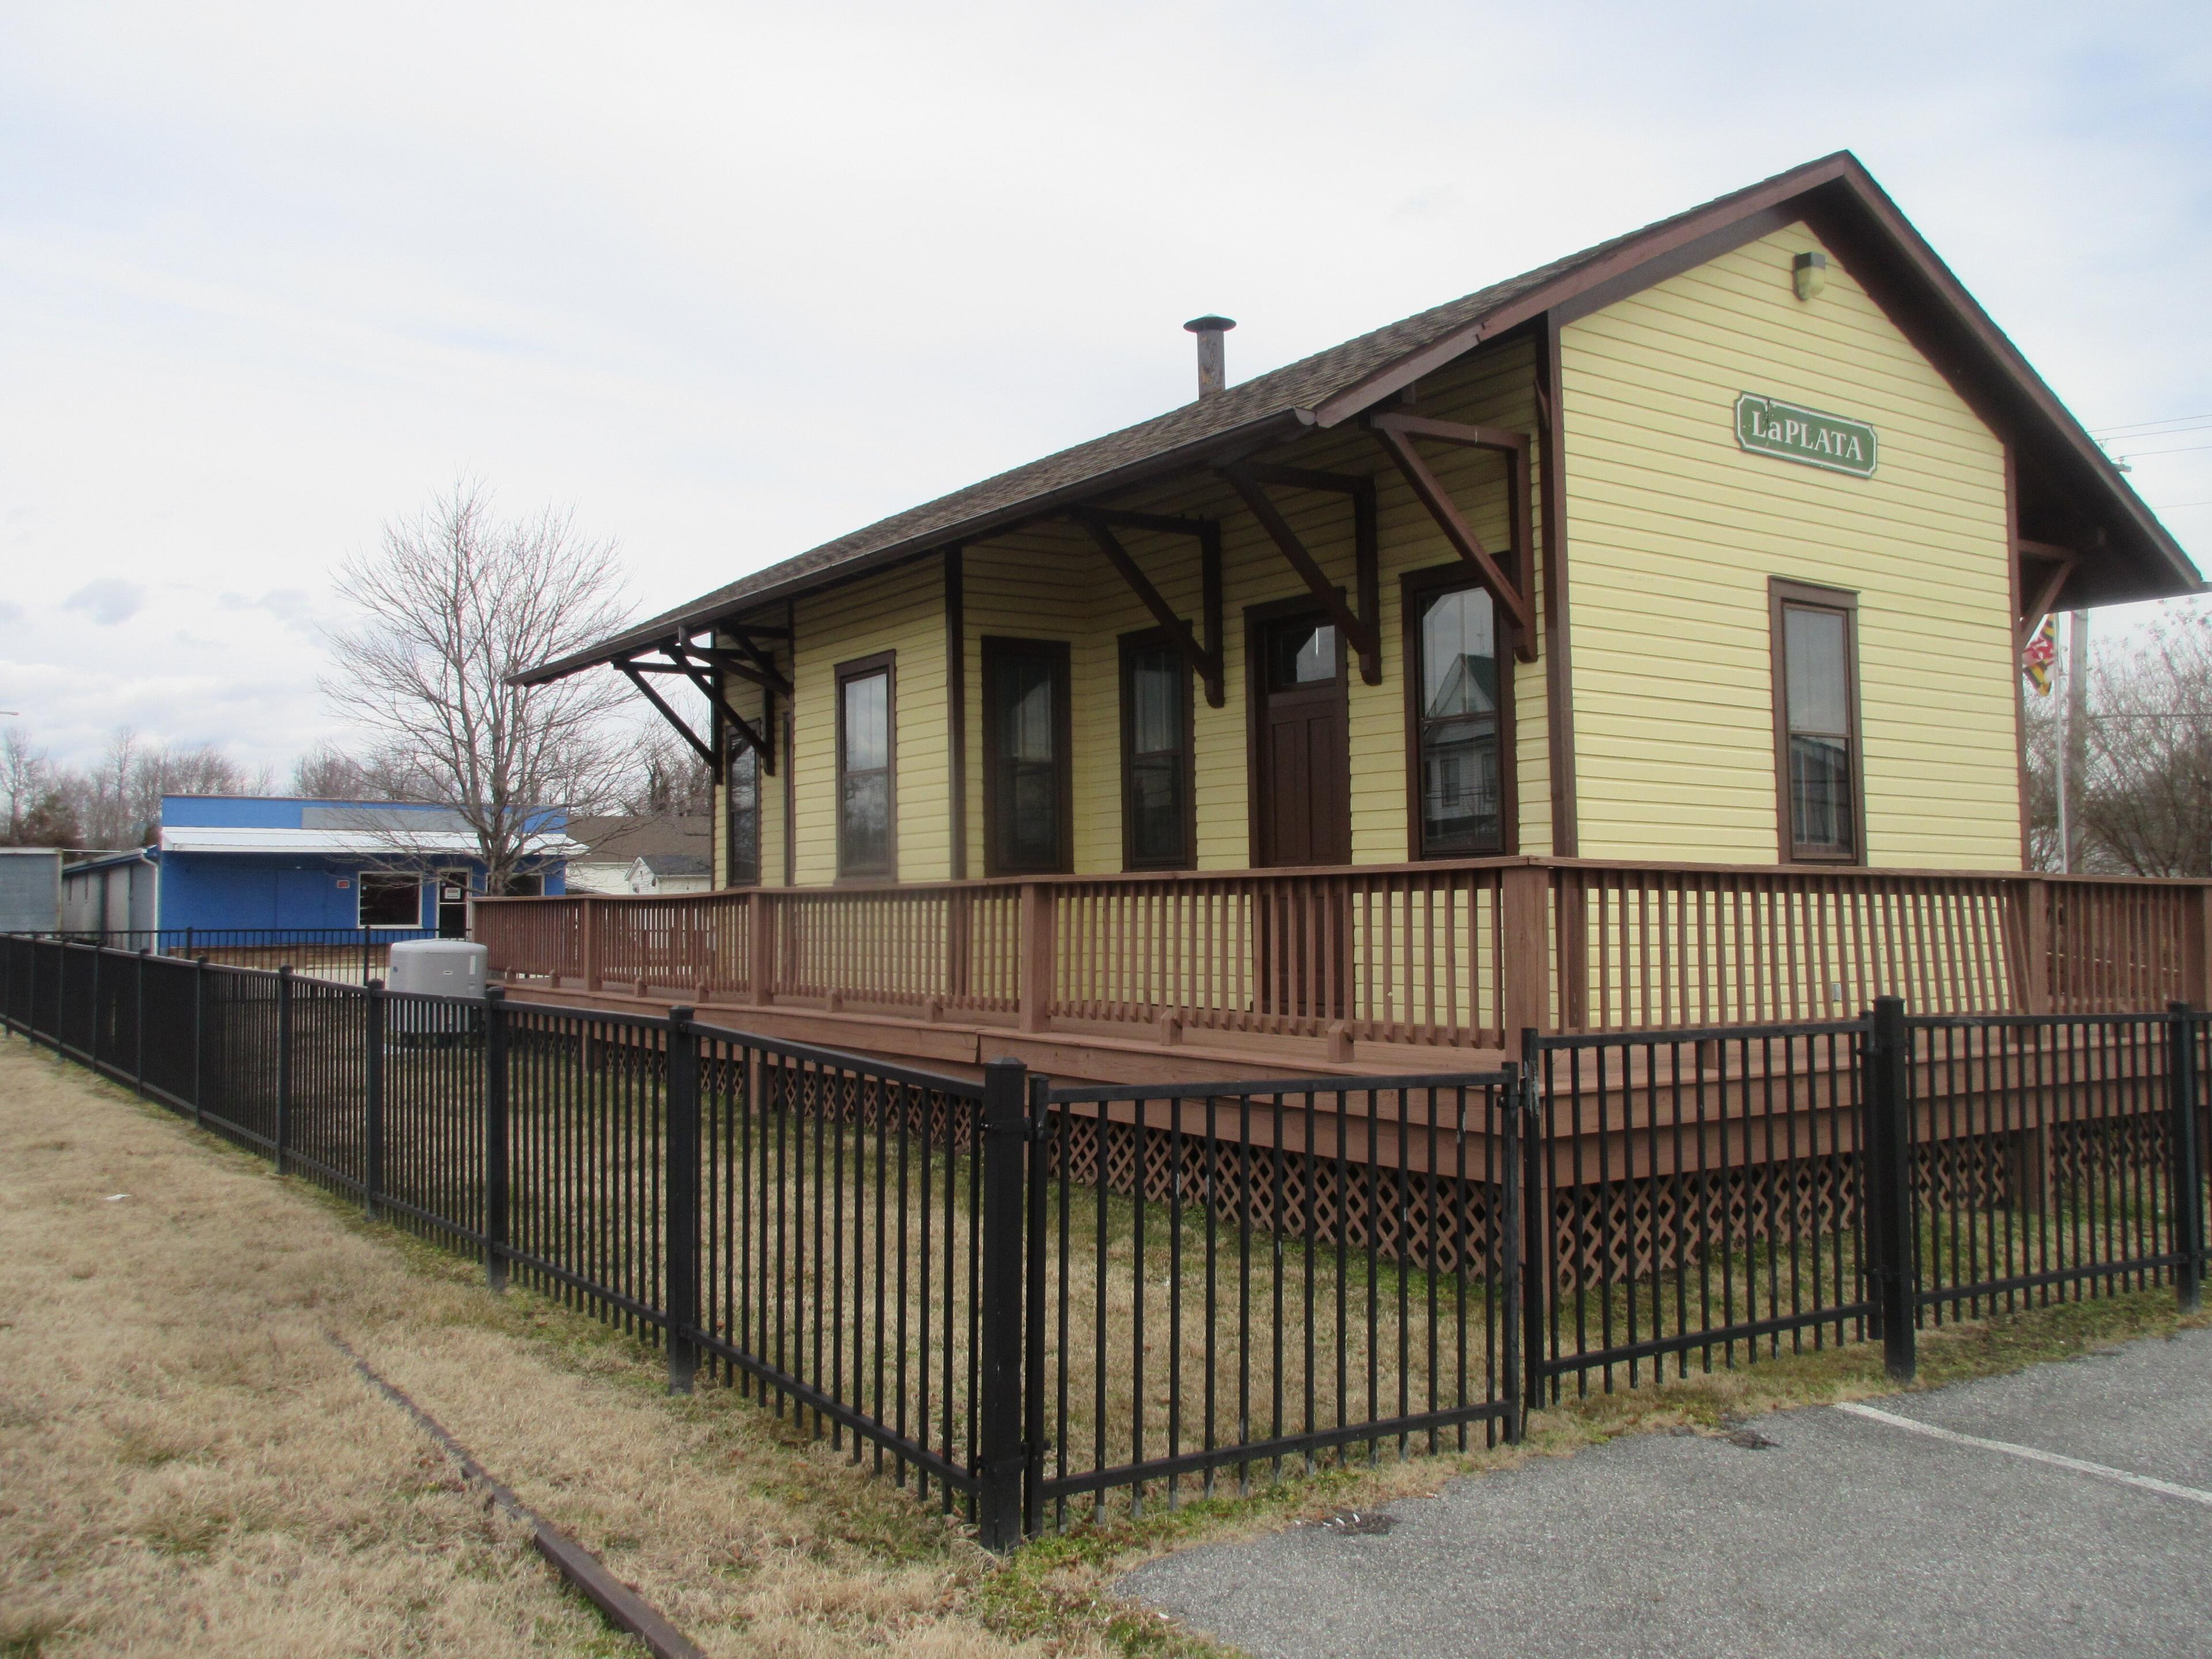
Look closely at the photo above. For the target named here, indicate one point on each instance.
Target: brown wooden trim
(2020, 644)
(1209, 583)
(1685, 236)
(956, 704)
(1415, 588)
(996, 647)
(1177, 630)
(2031, 613)
(1360, 635)
(886, 663)
(1145, 639)
(1396, 433)
(790, 805)
(1782, 591)
(1257, 618)
(1558, 673)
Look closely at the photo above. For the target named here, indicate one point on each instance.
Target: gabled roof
(1835, 194)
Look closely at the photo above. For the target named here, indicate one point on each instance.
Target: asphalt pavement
(1845, 1535)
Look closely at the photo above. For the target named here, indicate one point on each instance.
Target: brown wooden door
(1301, 778)
(1302, 812)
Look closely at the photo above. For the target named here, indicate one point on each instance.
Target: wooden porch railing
(1440, 955)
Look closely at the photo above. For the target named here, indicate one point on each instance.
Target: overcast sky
(733, 281)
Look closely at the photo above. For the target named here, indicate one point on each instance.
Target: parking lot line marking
(2034, 1454)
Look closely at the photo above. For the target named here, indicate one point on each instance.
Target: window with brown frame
(1819, 789)
(1458, 723)
(741, 814)
(1028, 813)
(1159, 829)
(868, 766)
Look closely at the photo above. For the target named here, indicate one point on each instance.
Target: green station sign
(1767, 426)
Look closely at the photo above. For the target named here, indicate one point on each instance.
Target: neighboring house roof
(107, 860)
(677, 864)
(360, 843)
(618, 839)
(1835, 193)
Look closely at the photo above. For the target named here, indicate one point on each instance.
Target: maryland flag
(2042, 652)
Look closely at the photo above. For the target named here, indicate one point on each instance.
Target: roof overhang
(351, 843)
(2067, 492)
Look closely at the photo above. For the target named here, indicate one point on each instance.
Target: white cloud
(108, 601)
(734, 281)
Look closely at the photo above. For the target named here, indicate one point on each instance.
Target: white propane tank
(438, 967)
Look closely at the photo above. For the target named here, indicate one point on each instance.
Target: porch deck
(1365, 970)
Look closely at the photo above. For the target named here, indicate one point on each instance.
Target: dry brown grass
(187, 1467)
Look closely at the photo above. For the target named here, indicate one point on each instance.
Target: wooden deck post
(588, 954)
(762, 918)
(1039, 955)
(2032, 963)
(2197, 949)
(1524, 963)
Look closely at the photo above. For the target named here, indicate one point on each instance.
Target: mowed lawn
(188, 1466)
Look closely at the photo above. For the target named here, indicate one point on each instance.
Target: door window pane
(1460, 802)
(1155, 790)
(1301, 654)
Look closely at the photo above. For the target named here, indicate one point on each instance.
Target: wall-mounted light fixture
(1809, 274)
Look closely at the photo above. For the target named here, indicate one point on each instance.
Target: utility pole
(2073, 744)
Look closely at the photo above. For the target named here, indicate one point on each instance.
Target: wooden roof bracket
(2058, 563)
(1204, 660)
(637, 673)
(1250, 481)
(1396, 433)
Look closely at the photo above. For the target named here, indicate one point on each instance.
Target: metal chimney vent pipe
(1213, 362)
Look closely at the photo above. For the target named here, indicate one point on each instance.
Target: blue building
(226, 863)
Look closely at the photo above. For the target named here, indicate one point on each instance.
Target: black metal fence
(1027, 1300)
(350, 953)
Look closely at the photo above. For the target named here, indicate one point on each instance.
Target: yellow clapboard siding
(900, 611)
(1673, 532)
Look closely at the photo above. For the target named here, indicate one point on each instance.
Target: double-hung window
(867, 768)
(1455, 689)
(1026, 783)
(741, 813)
(1156, 826)
(1816, 727)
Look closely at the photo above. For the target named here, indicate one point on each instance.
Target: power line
(2144, 454)
(2147, 427)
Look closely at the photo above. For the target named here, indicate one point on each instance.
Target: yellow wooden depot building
(1691, 571)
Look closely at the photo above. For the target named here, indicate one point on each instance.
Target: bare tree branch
(453, 603)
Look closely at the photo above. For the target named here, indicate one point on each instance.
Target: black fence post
(283, 1063)
(1516, 1110)
(680, 1147)
(1035, 1265)
(138, 1028)
(1886, 1183)
(2181, 1085)
(999, 1451)
(199, 1040)
(1529, 1269)
(495, 1147)
(93, 1023)
(371, 1157)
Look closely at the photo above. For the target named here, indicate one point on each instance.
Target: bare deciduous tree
(2142, 801)
(668, 778)
(327, 772)
(455, 602)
